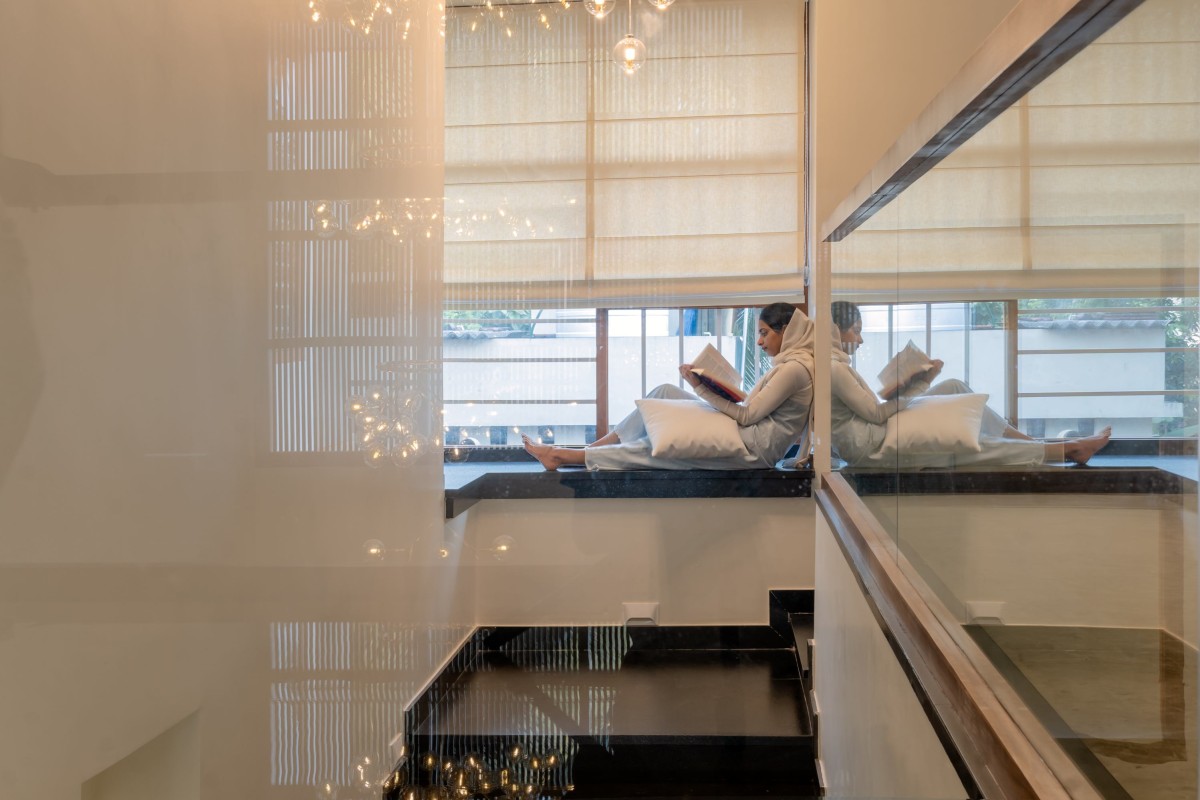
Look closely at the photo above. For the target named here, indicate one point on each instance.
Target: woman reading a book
(859, 418)
(769, 420)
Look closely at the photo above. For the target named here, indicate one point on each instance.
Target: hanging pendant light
(629, 53)
(599, 8)
(661, 5)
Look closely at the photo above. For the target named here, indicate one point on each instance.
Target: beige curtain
(569, 182)
(1090, 183)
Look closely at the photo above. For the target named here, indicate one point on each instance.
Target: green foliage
(987, 315)
(1181, 369)
(495, 320)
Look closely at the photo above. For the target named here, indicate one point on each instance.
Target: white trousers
(995, 450)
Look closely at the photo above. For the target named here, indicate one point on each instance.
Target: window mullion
(601, 372)
(643, 352)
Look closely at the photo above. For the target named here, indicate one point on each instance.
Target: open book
(902, 369)
(718, 374)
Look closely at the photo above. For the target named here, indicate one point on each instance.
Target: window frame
(1014, 351)
(601, 360)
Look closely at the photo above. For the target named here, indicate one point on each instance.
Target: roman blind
(569, 182)
(1091, 182)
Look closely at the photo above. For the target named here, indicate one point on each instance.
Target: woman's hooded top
(858, 418)
(799, 338)
(779, 408)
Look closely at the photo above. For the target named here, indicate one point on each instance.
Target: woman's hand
(927, 376)
(685, 372)
(934, 370)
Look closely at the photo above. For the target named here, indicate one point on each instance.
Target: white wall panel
(875, 740)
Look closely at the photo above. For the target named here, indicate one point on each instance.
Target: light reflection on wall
(335, 698)
(349, 311)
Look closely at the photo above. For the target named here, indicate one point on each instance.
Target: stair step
(802, 627)
(629, 717)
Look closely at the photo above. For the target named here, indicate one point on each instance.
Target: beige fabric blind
(1090, 182)
(569, 182)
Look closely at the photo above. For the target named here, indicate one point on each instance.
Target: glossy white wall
(182, 510)
(575, 562)
(1111, 561)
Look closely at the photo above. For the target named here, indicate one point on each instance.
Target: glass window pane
(508, 372)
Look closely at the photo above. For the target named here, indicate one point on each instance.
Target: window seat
(467, 484)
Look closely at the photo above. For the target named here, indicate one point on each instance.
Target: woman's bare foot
(544, 453)
(552, 457)
(1080, 450)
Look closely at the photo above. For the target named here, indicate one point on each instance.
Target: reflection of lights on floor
(525, 775)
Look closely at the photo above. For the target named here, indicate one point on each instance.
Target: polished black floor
(683, 712)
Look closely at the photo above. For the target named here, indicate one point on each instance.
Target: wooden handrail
(997, 744)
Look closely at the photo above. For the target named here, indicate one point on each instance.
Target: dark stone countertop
(1026, 480)
(467, 484)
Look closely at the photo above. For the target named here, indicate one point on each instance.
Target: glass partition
(1038, 469)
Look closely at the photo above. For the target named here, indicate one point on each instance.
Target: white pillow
(690, 429)
(935, 424)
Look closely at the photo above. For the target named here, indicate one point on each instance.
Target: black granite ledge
(468, 484)
(515, 639)
(1033, 480)
(781, 605)
(1152, 447)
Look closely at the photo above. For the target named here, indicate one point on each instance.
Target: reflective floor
(1121, 701)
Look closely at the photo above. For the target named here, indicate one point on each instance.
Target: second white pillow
(935, 424)
(690, 429)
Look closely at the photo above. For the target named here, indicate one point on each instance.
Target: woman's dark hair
(776, 316)
(844, 314)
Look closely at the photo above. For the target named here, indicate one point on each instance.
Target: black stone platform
(637, 712)
(467, 484)
(1024, 480)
